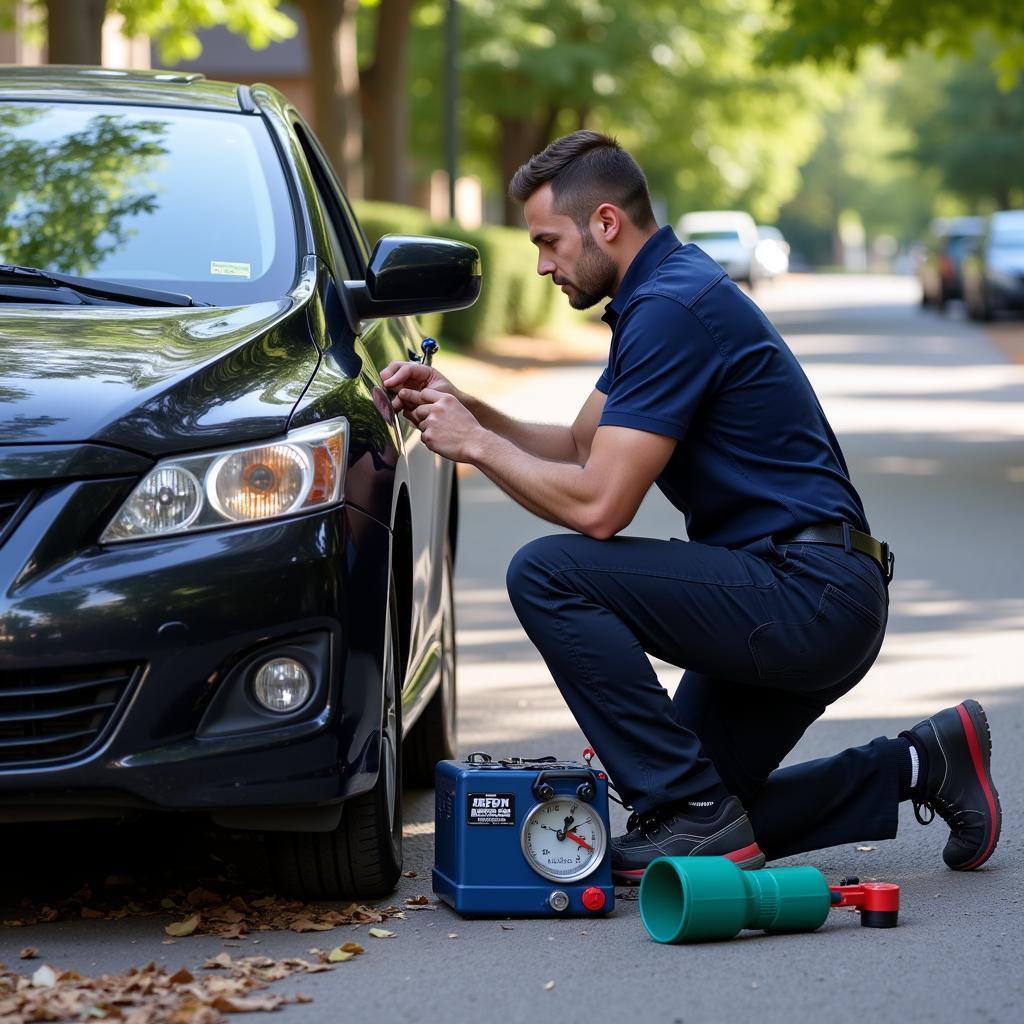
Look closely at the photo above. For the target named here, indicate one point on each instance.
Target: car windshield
(181, 200)
(712, 236)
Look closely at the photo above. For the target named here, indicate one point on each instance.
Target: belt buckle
(888, 562)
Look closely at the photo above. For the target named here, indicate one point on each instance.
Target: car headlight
(305, 471)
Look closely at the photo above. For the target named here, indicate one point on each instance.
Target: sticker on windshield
(229, 269)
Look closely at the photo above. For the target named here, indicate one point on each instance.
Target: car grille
(12, 497)
(50, 715)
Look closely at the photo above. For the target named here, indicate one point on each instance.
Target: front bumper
(186, 618)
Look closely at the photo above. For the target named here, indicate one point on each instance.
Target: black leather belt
(842, 535)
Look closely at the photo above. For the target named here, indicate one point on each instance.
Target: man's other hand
(407, 380)
(448, 428)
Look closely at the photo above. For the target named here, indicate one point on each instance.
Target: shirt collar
(646, 261)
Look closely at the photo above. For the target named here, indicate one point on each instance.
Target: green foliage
(679, 84)
(968, 131)
(172, 24)
(514, 298)
(911, 139)
(827, 30)
(862, 164)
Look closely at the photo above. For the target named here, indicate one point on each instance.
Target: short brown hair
(586, 169)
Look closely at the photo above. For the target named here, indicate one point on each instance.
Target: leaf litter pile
(152, 995)
(204, 911)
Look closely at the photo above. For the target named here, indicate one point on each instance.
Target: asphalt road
(931, 417)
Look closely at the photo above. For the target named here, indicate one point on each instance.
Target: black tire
(433, 737)
(978, 307)
(362, 858)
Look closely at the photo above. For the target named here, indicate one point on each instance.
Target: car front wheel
(362, 857)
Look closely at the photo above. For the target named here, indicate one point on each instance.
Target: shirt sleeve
(664, 364)
(603, 382)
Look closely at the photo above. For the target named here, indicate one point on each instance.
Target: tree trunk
(521, 138)
(386, 98)
(74, 31)
(331, 29)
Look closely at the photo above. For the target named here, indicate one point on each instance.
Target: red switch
(593, 898)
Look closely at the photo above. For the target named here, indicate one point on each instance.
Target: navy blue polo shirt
(692, 357)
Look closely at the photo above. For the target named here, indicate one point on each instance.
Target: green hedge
(514, 298)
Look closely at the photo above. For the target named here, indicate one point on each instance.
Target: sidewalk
(1008, 336)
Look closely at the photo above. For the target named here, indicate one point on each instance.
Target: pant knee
(529, 574)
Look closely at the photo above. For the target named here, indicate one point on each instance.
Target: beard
(595, 274)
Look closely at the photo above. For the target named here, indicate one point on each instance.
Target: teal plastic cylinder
(705, 899)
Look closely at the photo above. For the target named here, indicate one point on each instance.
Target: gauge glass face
(564, 839)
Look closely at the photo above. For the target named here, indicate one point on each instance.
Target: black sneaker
(669, 834)
(959, 783)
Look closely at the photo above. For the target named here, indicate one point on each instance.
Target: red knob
(881, 896)
(593, 898)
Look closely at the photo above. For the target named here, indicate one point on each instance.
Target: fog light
(282, 684)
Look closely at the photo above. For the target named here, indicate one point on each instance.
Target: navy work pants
(769, 636)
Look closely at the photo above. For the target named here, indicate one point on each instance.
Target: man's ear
(606, 222)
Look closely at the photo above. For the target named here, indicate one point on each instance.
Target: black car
(226, 565)
(994, 271)
(949, 240)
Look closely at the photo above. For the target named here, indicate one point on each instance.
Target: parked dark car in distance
(994, 271)
(226, 564)
(949, 240)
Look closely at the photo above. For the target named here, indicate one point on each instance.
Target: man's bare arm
(545, 440)
(598, 498)
(549, 441)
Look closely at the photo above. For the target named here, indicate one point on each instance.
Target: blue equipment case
(492, 817)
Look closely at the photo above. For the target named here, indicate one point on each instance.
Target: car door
(384, 341)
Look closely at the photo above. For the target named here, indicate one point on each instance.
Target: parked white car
(729, 237)
(771, 251)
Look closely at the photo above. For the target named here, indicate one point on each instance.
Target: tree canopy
(827, 30)
(173, 24)
(680, 86)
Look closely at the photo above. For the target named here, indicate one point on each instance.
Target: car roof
(731, 217)
(943, 226)
(112, 85)
(1008, 219)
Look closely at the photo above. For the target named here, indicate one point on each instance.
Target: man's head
(588, 211)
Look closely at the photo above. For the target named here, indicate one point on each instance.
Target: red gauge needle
(580, 842)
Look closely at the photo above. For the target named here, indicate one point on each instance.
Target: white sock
(915, 766)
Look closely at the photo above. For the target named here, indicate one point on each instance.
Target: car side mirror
(410, 275)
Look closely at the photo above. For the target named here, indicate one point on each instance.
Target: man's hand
(407, 380)
(448, 427)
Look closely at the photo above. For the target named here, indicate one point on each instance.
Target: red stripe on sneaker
(629, 874)
(753, 850)
(975, 748)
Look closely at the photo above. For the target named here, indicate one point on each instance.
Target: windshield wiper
(89, 289)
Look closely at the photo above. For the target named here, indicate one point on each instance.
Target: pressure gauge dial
(564, 839)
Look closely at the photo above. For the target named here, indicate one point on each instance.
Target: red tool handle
(879, 902)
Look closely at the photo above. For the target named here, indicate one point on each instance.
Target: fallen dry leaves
(204, 911)
(150, 995)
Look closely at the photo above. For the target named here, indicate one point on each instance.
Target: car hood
(152, 380)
